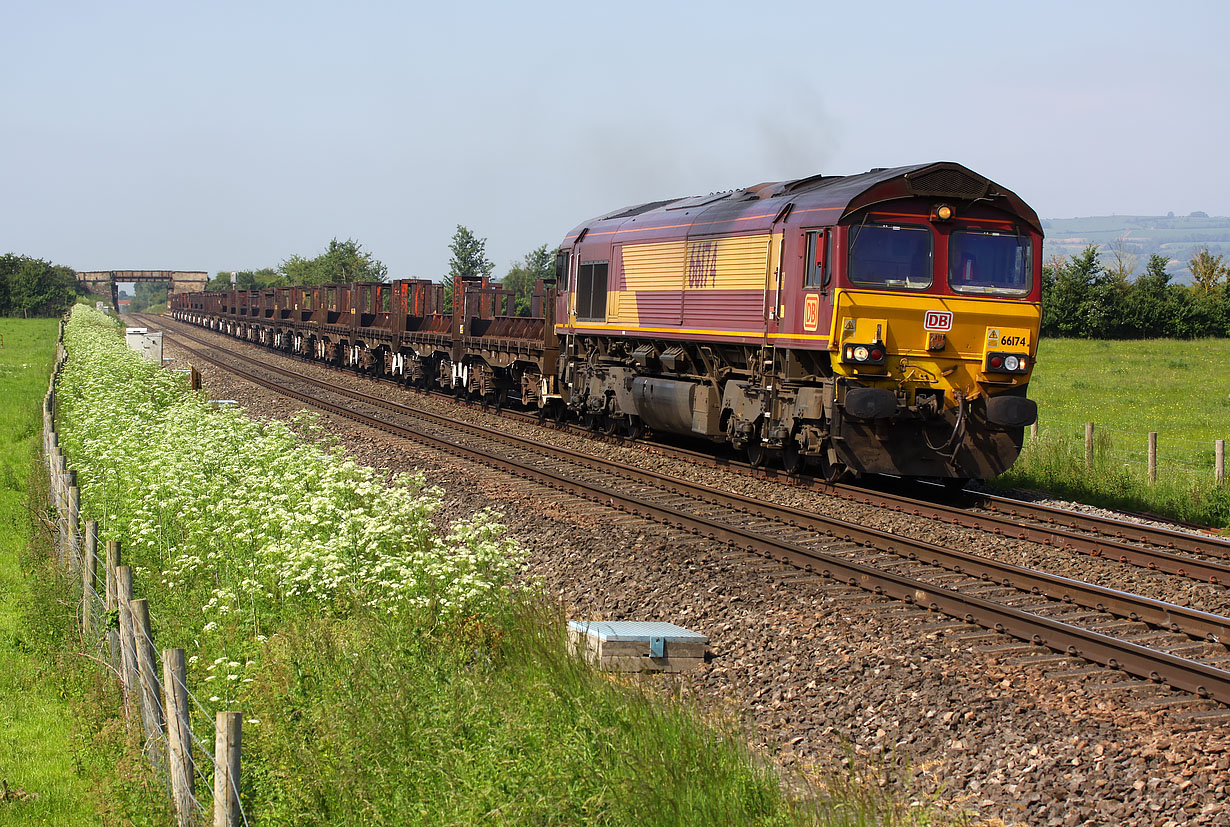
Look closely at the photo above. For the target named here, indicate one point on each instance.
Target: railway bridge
(102, 283)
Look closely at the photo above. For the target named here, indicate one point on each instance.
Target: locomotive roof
(832, 196)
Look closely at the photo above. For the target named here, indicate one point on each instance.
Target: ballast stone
(637, 646)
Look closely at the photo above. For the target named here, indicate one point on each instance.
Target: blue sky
(228, 136)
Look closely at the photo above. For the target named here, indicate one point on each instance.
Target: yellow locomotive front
(935, 319)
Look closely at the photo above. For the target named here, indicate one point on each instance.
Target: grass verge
(1181, 390)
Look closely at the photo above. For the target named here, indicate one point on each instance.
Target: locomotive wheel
(832, 472)
(793, 459)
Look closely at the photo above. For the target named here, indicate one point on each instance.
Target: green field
(1180, 389)
(36, 722)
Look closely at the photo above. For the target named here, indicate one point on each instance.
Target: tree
(343, 261)
(148, 296)
(33, 287)
(1150, 308)
(469, 261)
(538, 263)
(1208, 271)
(1124, 264)
(248, 280)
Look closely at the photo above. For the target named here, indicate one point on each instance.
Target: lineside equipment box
(636, 646)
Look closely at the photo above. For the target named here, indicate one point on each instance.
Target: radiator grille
(948, 183)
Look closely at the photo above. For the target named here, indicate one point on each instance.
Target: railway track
(1158, 641)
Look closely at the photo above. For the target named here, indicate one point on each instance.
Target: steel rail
(1174, 617)
(1120, 529)
(1201, 679)
(1215, 572)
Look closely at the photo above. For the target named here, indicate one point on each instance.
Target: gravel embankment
(1005, 730)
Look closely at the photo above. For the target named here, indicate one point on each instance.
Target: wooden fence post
(150, 689)
(89, 576)
(1152, 457)
(1219, 462)
(1088, 444)
(112, 604)
(73, 519)
(1033, 431)
(59, 499)
(179, 735)
(228, 733)
(128, 650)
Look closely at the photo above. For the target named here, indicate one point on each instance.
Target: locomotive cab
(935, 318)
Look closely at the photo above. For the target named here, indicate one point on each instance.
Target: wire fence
(200, 774)
(1144, 453)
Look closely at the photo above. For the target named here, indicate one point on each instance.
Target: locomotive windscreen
(982, 262)
(891, 255)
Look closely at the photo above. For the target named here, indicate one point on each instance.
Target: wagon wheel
(559, 413)
(793, 458)
(501, 399)
(634, 428)
(756, 451)
(613, 424)
(954, 485)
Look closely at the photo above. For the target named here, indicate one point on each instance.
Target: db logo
(939, 321)
(811, 312)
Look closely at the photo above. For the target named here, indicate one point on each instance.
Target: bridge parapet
(102, 282)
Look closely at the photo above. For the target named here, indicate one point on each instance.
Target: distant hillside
(1179, 237)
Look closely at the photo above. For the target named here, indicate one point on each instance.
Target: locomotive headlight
(943, 212)
(870, 354)
(1007, 362)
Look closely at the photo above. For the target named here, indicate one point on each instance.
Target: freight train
(878, 323)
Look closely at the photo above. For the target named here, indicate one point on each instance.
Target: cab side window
(819, 260)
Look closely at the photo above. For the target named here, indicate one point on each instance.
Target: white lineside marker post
(228, 735)
(1152, 457)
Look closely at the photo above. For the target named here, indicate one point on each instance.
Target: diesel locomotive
(879, 323)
